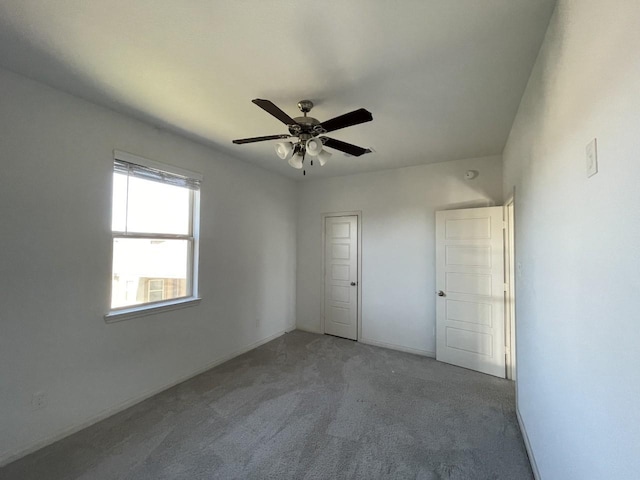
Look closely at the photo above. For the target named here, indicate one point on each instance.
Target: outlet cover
(592, 158)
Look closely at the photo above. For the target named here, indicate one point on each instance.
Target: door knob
(353, 284)
(441, 294)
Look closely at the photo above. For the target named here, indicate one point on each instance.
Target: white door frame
(358, 214)
(510, 291)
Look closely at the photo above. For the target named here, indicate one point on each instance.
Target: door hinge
(504, 225)
(506, 287)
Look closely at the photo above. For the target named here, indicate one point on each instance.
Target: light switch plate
(592, 158)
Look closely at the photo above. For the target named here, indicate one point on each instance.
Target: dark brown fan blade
(271, 108)
(344, 147)
(352, 118)
(260, 139)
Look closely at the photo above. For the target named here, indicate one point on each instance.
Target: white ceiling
(443, 78)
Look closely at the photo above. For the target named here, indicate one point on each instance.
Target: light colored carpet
(304, 406)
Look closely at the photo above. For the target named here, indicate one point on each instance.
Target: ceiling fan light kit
(307, 134)
(323, 156)
(314, 146)
(284, 149)
(296, 161)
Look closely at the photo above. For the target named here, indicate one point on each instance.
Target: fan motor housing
(305, 125)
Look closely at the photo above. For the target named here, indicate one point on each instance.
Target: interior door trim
(510, 294)
(354, 213)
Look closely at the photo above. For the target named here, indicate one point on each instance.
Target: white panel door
(341, 277)
(470, 284)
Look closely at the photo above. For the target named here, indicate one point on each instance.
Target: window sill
(144, 310)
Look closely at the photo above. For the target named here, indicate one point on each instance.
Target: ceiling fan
(307, 135)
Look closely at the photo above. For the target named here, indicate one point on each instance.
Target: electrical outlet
(38, 401)
(592, 158)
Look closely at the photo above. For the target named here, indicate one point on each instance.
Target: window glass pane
(119, 203)
(148, 270)
(155, 207)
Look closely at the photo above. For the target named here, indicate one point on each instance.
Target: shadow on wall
(460, 184)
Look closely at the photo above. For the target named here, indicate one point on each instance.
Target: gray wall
(398, 251)
(577, 238)
(55, 215)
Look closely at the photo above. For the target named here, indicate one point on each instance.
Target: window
(154, 225)
(156, 290)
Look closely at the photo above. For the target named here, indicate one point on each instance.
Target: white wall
(398, 252)
(577, 239)
(55, 193)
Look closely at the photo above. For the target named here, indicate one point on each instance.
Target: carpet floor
(304, 406)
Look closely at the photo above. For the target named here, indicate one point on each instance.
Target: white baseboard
(375, 343)
(527, 445)
(393, 346)
(308, 329)
(9, 457)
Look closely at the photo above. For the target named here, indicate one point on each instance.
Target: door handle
(353, 284)
(441, 293)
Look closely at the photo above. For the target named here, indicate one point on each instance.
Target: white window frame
(192, 298)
